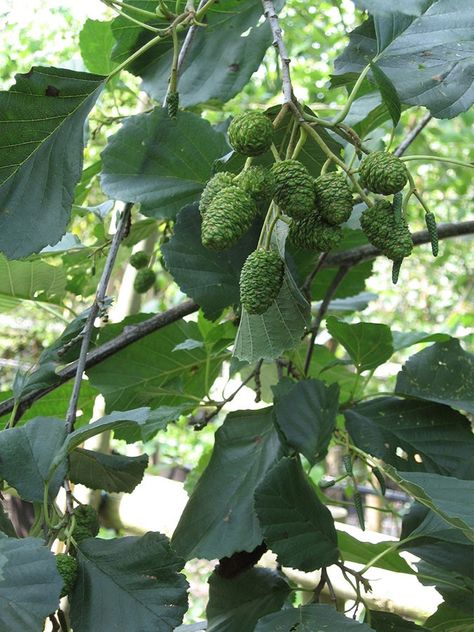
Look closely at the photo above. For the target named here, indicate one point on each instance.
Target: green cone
(294, 189)
(313, 233)
(144, 280)
(139, 259)
(261, 280)
(251, 133)
(333, 198)
(384, 173)
(228, 217)
(381, 229)
(67, 568)
(218, 182)
(258, 182)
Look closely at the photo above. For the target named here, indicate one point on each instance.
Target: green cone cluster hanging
(294, 188)
(258, 182)
(67, 568)
(314, 233)
(261, 280)
(218, 182)
(333, 198)
(87, 523)
(383, 173)
(229, 216)
(144, 280)
(139, 260)
(251, 133)
(384, 232)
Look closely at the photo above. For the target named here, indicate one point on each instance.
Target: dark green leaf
(235, 605)
(148, 372)
(360, 552)
(162, 163)
(26, 454)
(43, 116)
(239, 56)
(96, 42)
(388, 92)
(29, 584)
(368, 344)
(389, 622)
(295, 524)
(427, 58)
(402, 340)
(306, 413)
(128, 584)
(425, 523)
(29, 280)
(219, 518)
(382, 7)
(441, 373)
(412, 435)
(157, 420)
(449, 557)
(309, 619)
(210, 278)
(443, 494)
(110, 472)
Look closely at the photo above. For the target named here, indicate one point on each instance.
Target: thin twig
(341, 273)
(97, 306)
(306, 287)
(136, 332)
(410, 137)
(279, 44)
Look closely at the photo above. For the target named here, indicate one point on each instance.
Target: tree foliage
(323, 179)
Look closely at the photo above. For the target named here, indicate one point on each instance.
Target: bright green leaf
(235, 605)
(368, 344)
(219, 518)
(306, 413)
(96, 42)
(29, 584)
(295, 524)
(128, 583)
(360, 552)
(43, 117)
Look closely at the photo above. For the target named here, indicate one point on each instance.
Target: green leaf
(441, 373)
(360, 552)
(235, 605)
(295, 524)
(43, 116)
(157, 420)
(444, 495)
(210, 278)
(26, 456)
(421, 521)
(6, 526)
(96, 42)
(29, 584)
(267, 335)
(309, 619)
(231, 36)
(160, 162)
(402, 340)
(390, 622)
(447, 619)
(427, 57)
(368, 344)
(411, 435)
(149, 373)
(110, 472)
(306, 413)
(128, 584)
(29, 280)
(388, 92)
(219, 518)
